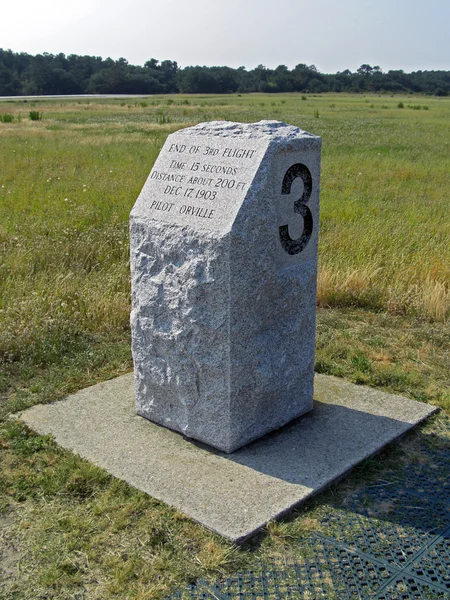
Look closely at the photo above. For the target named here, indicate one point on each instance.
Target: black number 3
(295, 246)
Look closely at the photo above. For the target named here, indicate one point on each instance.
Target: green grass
(67, 185)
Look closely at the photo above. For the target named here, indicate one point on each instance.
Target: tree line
(24, 74)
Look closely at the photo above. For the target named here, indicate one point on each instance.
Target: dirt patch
(10, 555)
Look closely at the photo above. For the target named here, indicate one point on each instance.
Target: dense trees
(24, 74)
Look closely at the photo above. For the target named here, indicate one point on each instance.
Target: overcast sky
(393, 34)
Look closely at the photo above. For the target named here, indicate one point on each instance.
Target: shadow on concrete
(324, 443)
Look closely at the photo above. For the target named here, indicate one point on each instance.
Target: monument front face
(224, 267)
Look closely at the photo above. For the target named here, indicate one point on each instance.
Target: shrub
(6, 118)
(35, 115)
(400, 105)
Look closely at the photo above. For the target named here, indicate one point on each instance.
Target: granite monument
(224, 266)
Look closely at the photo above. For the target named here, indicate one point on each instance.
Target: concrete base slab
(235, 494)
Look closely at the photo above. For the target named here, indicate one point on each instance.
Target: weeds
(163, 119)
(35, 115)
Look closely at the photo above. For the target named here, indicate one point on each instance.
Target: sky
(392, 34)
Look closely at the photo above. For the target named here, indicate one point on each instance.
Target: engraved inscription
(300, 206)
(197, 177)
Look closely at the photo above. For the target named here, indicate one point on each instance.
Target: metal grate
(387, 541)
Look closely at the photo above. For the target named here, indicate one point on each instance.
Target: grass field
(68, 180)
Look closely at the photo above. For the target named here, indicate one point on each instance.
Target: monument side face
(180, 261)
(224, 267)
(273, 289)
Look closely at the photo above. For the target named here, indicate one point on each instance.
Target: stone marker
(224, 268)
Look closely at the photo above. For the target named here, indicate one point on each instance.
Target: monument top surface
(261, 129)
(204, 173)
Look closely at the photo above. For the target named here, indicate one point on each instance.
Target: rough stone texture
(232, 494)
(224, 274)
